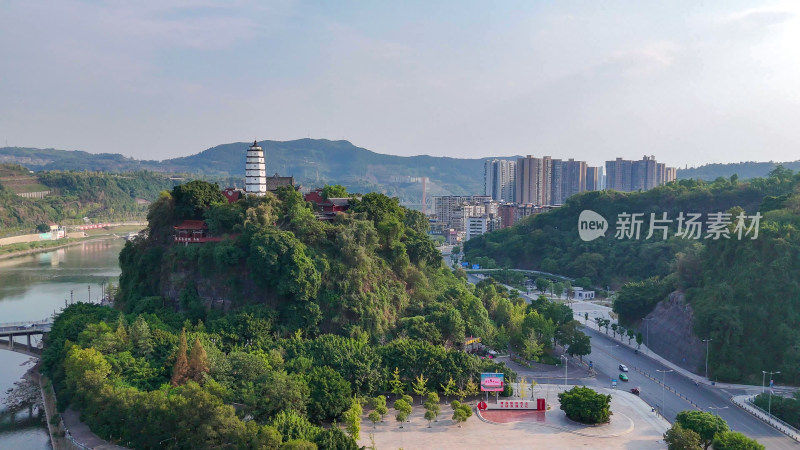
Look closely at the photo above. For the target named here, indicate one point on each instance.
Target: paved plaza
(633, 426)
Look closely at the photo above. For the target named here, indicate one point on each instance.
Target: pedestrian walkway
(745, 402)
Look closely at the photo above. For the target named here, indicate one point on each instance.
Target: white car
(623, 367)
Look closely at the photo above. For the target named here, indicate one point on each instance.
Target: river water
(33, 287)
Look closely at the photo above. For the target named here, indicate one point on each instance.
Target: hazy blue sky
(687, 81)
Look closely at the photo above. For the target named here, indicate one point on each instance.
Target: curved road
(680, 393)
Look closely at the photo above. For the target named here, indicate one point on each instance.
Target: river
(33, 287)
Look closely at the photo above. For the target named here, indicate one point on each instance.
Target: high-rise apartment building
(626, 176)
(547, 181)
(498, 179)
(574, 178)
(592, 178)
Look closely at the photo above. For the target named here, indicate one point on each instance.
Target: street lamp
(565, 369)
(769, 402)
(663, 386)
(714, 408)
(647, 341)
(763, 375)
(707, 341)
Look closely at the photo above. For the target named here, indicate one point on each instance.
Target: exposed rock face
(671, 334)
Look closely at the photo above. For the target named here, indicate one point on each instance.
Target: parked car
(623, 367)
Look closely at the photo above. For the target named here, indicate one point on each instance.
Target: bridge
(9, 331)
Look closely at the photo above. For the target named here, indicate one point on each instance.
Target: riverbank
(68, 243)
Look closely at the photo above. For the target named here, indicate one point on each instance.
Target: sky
(690, 82)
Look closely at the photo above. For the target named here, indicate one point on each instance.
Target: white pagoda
(255, 171)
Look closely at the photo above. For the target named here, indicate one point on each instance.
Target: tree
(639, 340)
(733, 440)
(298, 444)
(631, 334)
(614, 328)
(449, 388)
(558, 289)
(329, 394)
(581, 345)
(180, 371)
(334, 191)
(461, 412)
(523, 388)
(140, 338)
(379, 403)
(584, 405)
(432, 407)
(397, 386)
(419, 387)
(456, 250)
(543, 284)
(679, 438)
(705, 424)
(292, 425)
(585, 318)
(122, 333)
(472, 388)
(334, 438)
(198, 362)
(193, 198)
(375, 417)
(43, 228)
(352, 418)
(429, 416)
(403, 409)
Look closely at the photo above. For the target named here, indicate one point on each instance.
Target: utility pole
(771, 384)
(707, 341)
(647, 339)
(565, 370)
(663, 388)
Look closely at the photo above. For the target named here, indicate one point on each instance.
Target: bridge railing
(22, 324)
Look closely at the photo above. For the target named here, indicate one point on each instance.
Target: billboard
(492, 382)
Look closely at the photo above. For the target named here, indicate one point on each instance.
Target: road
(680, 393)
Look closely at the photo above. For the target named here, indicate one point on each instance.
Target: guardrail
(22, 324)
(771, 420)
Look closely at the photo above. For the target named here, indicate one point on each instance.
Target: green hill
(73, 196)
(744, 294)
(313, 162)
(744, 170)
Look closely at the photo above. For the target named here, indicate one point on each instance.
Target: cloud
(647, 59)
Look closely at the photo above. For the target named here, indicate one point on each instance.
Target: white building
(580, 294)
(450, 209)
(255, 171)
(476, 226)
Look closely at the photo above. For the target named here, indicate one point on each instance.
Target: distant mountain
(745, 170)
(313, 162)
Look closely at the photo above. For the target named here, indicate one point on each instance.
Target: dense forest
(295, 321)
(744, 292)
(75, 195)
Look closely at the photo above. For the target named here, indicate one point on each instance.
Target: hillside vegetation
(313, 162)
(745, 293)
(288, 317)
(74, 195)
(744, 170)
